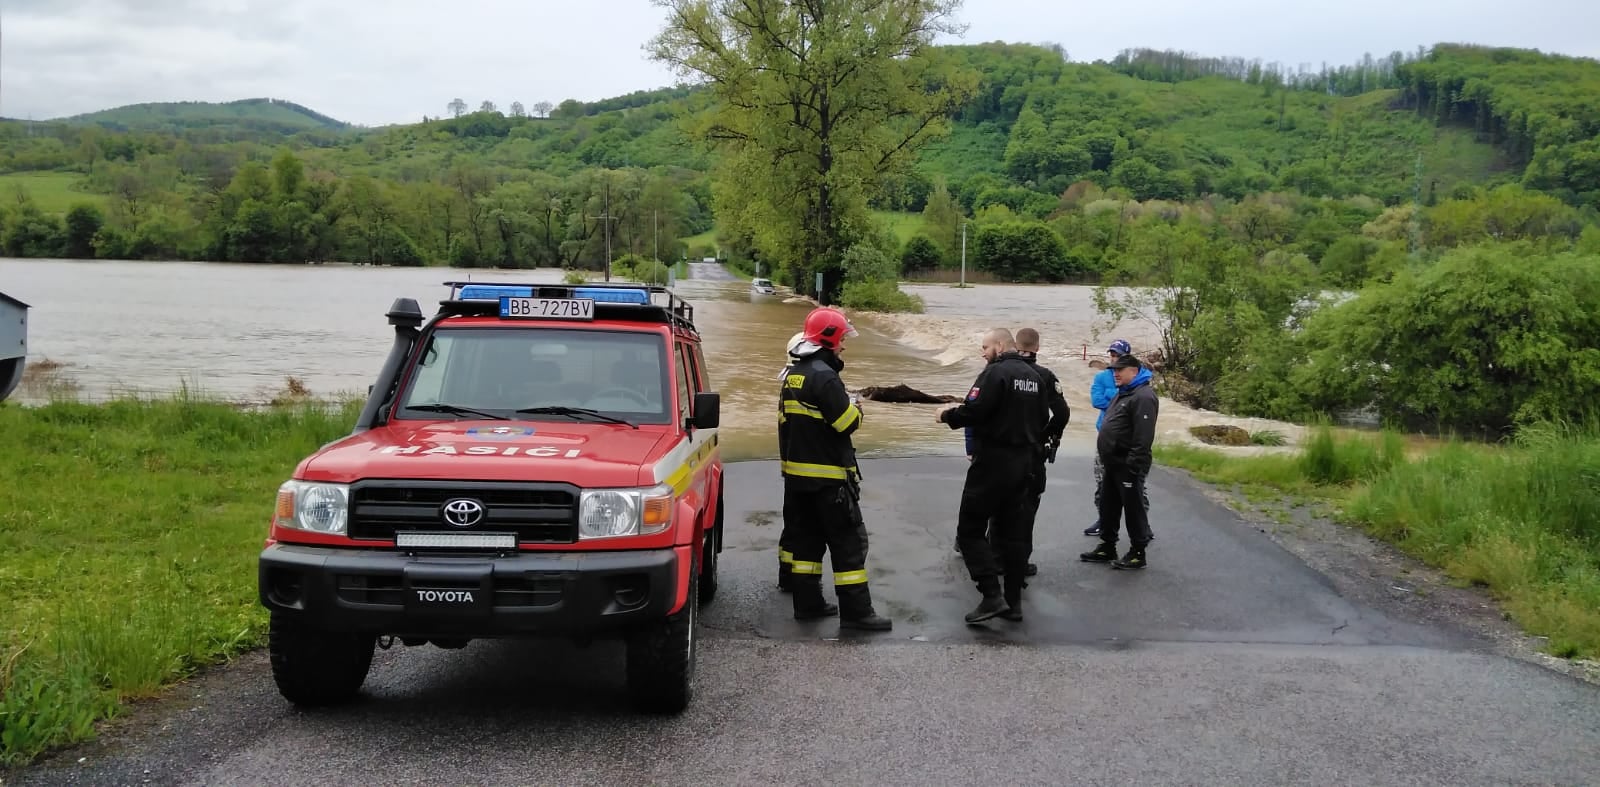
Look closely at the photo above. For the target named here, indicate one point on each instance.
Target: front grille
(538, 513)
(509, 592)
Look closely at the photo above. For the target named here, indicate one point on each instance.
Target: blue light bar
(613, 295)
(492, 292)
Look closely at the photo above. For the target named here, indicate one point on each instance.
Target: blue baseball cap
(1119, 347)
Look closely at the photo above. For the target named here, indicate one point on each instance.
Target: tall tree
(816, 101)
(457, 106)
(542, 109)
(517, 110)
(487, 106)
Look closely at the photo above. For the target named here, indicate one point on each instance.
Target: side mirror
(707, 410)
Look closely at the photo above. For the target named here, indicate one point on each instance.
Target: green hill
(259, 114)
(1041, 132)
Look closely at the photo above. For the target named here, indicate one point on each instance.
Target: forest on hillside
(1236, 190)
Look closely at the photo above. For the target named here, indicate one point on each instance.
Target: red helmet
(827, 327)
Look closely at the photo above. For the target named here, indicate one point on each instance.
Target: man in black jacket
(1006, 410)
(821, 481)
(1124, 448)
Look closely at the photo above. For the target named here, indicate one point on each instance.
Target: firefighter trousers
(828, 521)
(994, 504)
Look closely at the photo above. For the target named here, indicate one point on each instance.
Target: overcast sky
(375, 62)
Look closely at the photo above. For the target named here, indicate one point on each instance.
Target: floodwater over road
(239, 331)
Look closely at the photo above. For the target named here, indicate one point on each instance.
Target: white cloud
(387, 61)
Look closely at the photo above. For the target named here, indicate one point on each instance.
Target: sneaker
(1132, 561)
(1033, 570)
(1012, 613)
(1092, 530)
(989, 607)
(1105, 553)
(868, 623)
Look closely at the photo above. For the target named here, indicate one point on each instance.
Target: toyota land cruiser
(534, 460)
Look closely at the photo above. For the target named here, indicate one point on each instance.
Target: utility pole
(655, 221)
(607, 219)
(963, 254)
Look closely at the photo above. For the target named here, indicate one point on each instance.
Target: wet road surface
(1227, 661)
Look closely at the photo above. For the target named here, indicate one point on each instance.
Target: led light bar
(456, 540)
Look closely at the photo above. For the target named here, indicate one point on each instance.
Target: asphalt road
(1228, 661)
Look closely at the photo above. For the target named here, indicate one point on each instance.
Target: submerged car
(534, 460)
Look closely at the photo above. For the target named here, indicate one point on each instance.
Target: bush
(1484, 340)
(1331, 461)
(878, 296)
(574, 277)
(920, 254)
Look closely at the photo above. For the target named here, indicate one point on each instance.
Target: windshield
(502, 370)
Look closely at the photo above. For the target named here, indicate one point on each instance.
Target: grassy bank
(128, 538)
(1522, 520)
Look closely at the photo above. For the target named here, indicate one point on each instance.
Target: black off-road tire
(315, 668)
(708, 558)
(661, 658)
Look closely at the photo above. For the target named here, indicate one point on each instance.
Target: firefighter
(797, 349)
(821, 481)
(1006, 408)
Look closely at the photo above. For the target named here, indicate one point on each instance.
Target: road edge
(1377, 574)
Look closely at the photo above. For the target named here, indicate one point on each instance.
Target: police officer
(797, 349)
(821, 482)
(1060, 414)
(1006, 408)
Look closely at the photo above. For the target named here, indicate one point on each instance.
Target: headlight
(318, 508)
(610, 513)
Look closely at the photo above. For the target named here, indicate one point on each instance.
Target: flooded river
(240, 331)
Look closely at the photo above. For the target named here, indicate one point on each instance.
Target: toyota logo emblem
(462, 512)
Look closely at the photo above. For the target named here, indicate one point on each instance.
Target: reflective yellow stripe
(851, 414)
(785, 556)
(816, 471)
(850, 577)
(807, 567)
(801, 408)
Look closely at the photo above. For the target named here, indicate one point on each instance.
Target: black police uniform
(1060, 414)
(821, 492)
(1006, 410)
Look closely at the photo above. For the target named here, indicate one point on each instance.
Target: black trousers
(1030, 513)
(994, 501)
(1122, 494)
(827, 521)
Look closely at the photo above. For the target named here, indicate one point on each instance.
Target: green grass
(1521, 520)
(905, 226)
(128, 540)
(53, 192)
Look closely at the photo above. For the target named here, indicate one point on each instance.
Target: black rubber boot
(1013, 598)
(989, 607)
(808, 601)
(785, 576)
(856, 612)
(1104, 553)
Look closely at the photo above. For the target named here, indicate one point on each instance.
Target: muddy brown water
(239, 331)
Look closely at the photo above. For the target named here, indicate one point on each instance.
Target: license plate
(547, 308)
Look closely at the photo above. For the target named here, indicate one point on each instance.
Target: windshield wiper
(562, 410)
(455, 410)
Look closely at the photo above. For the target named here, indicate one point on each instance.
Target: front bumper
(390, 592)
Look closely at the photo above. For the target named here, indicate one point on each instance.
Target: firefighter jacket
(1007, 408)
(815, 421)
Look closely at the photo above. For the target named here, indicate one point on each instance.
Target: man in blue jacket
(1101, 392)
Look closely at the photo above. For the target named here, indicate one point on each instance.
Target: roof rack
(614, 300)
